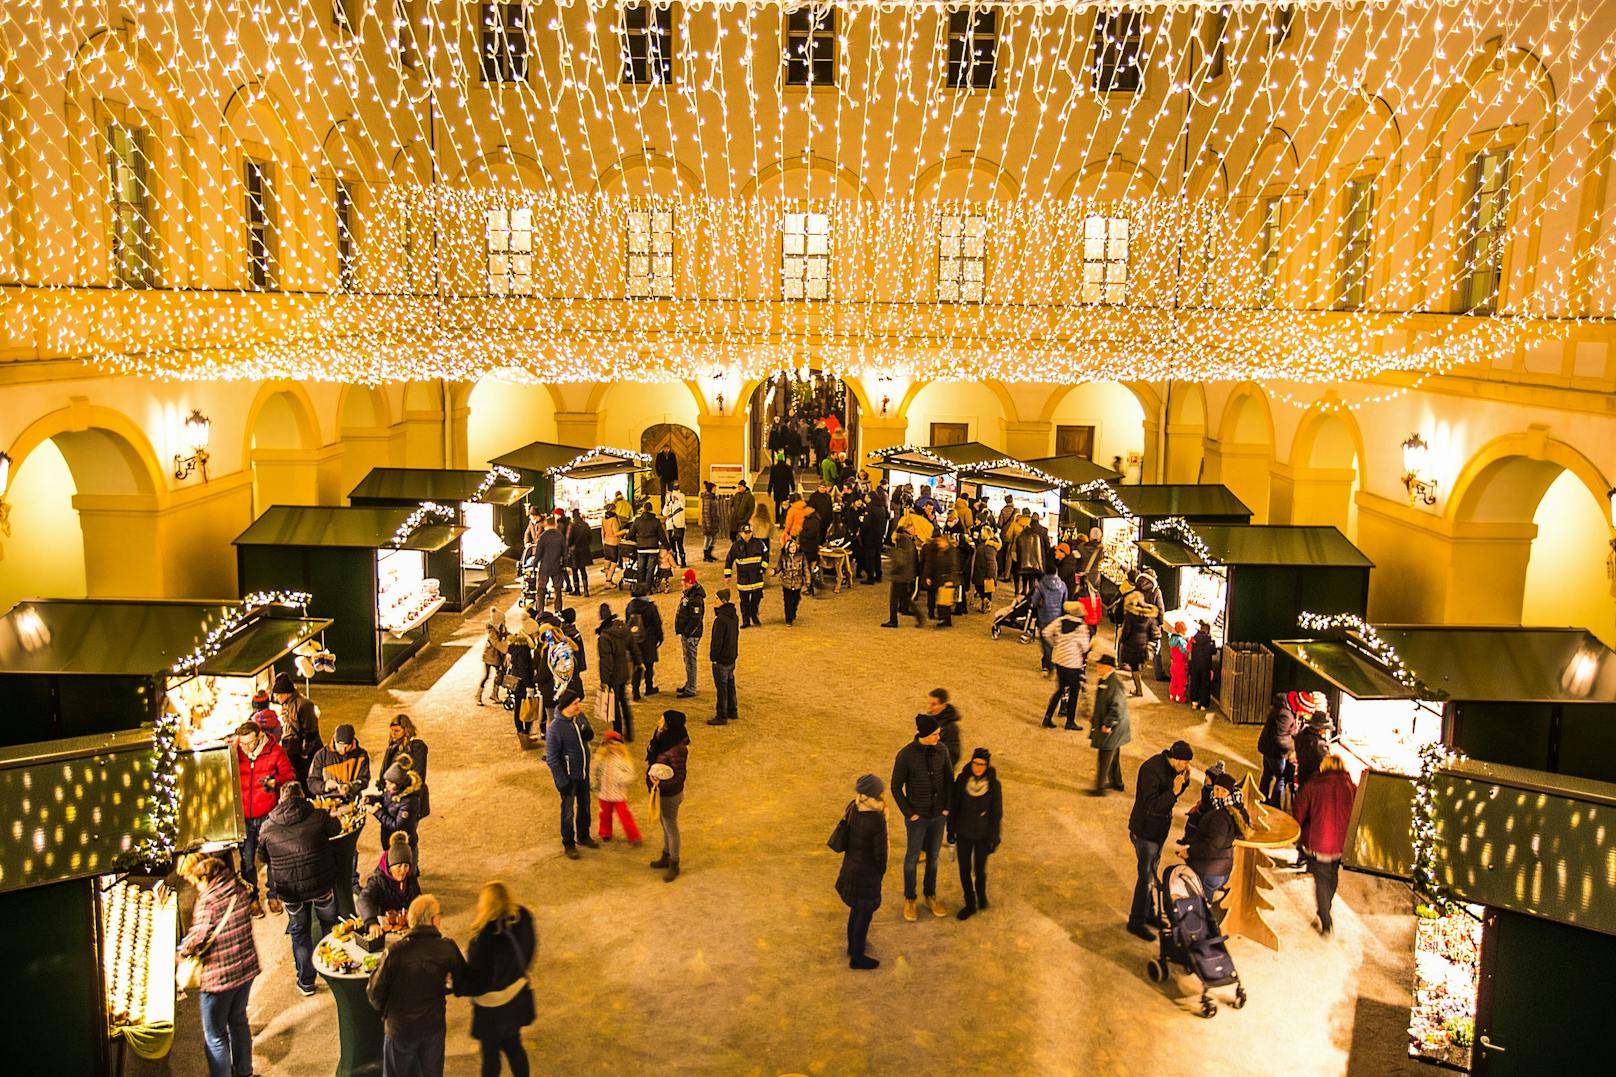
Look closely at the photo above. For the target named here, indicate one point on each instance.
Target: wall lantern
(1421, 490)
(196, 439)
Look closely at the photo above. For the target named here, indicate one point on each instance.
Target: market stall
(568, 477)
(488, 504)
(1073, 472)
(367, 569)
(1126, 514)
(1004, 479)
(91, 950)
(915, 466)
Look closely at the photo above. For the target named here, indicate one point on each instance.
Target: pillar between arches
(876, 433)
(122, 545)
(1244, 470)
(1310, 495)
(1027, 440)
(581, 428)
(1184, 451)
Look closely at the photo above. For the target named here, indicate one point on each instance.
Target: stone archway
(1320, 484)
(686, 446)
(806, 394)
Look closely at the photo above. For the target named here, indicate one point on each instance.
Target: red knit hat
(690, 575)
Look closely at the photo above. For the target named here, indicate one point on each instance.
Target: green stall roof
(114, 637)
(369, 527)
(1465, 662)
(578, 462)
(1262, 544)
(968, 454)
(1188, 500)
(1074, 470)
(915, 460)
(1528, 841)
(434, 484)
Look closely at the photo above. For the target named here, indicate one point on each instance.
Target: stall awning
(434, 484)
(1261, 544)
(1074, 470)
(361, 527)
(1528, 841)
(1189, 500)
(913, 459)
(573, 461)
(1346, 667)
(110, 637)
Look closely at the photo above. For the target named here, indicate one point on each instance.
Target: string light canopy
(1167, 189)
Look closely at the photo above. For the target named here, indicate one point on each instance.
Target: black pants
(859, 916)
(676, 536)
(751, 602)
(1326, 876)
(1278, 775)
(1109, 770)
(898, 595)
(1201, 686)
(574, 813)
(642, 673)
(973, 859)
(580, 586)
(512, 1050)
(622, 713)
(793, 598)
(1069, 686)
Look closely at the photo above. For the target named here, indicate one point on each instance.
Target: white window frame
(807, 46)
(1485, 247)
(805, 253)
(1116, 64)
(133, 252)
(655, 45)
(977, 45)
(342, 207)
(1106, 243)
(1268, 255)
(258, 216)
(961, 257)
(648, 254)
(1357, 242)
(508, 249)
(504, 48)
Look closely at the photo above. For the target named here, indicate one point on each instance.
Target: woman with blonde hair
(504, 941)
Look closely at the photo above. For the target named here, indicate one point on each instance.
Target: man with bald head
(417, 974)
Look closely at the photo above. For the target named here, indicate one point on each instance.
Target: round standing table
(359, 1026)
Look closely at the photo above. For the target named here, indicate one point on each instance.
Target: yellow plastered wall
(44, 557)
(505, 417)
(1115, 414)
(957, 402)
(1566, 580)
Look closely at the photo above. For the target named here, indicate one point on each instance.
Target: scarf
(975, 786)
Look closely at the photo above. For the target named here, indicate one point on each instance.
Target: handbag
(837, 843)
(188, 969)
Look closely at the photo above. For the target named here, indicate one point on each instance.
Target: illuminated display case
(367, 570)
(1072, 471)
(1136, 512)
(489, 505)
(568, 476)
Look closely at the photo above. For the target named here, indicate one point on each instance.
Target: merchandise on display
(1386, 734)
(1203, 595)
(591, 496)
(210, 708)
(406, 596)
(1447, 972)
(1119, 553)
(349, 814)
(139, 931)
(944, 487)
(1045, 505)
(346, 951)
(481, 545)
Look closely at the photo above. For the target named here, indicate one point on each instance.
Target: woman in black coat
(579, 537)
(975, 815)
(502, 946)
(1201, 651)
(864, 864)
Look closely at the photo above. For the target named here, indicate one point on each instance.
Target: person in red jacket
(263, 767)
(1323, 808)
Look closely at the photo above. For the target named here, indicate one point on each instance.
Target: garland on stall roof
(1378, 649)
(976, 470)
(1434, 899)
(917, 450)
(1180, 529)
(496, 474)
(163, 814)
(1105, 492)
(424, 511)
(598, 450)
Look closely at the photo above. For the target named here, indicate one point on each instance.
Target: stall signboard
(726, 478)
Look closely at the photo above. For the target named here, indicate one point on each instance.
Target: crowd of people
(938, 562)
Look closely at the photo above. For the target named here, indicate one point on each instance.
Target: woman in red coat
(263, 767)
(1323, 808)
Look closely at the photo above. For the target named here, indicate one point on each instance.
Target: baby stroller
(628, 570)
(1190, 939)
(1019, 615)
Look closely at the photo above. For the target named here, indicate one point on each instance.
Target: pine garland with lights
(497, 474)
(1434, 898)
(1179, 528)
(1379, 649)
(1101, 490)
(562, 470)
(426, 510)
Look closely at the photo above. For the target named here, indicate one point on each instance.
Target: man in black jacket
(300, 724)
(296, 840)
(903, 571)
(922, 782)
(417, 975)
(782, 483)
(550, 560)
(723, 650)
(644, 640)
(687, 625)
(648, 536)
(667, 470)
(612, 647)
(1162, 779)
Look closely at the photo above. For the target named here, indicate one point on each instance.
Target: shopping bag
(605, 698)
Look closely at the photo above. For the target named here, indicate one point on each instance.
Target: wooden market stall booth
(568, 477)
(974, 470)
(366, 567)
(1126, 514)
(1487, 754)
(113, 761)
(488, 504)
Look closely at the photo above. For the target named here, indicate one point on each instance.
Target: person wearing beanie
(391, 886)
(612, 644)
(1312, 745)
(645, 638)
(399, 809)
(669, 748)
(262, 768)
(566, 753)
(340, 770)
(722, 651)
(976, 813)
(864, 866)
(1210, 853)
(300, 724)
(296, 842)
(1066, 639)
(1161, 780)
(406, 748)
(1277, 745)
(922, 783)
(610, 772)
(1203, 657)
(688, 626)
(1110, 728)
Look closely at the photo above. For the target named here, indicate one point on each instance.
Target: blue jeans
(225, 1035)
(412, 1058)
(298, 926)
(724, 686)
(1148, 856)
(927, 833)
(690, 646)
(1278, 774)
(249, 861)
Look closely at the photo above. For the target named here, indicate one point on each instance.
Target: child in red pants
(612, 773)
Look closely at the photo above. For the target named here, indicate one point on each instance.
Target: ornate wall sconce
(196, 437)
(5, 487)
(1421, 490)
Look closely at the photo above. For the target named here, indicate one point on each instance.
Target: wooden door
(1074, 441)
(686, 445)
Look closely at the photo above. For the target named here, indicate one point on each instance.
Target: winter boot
(661, 861)
(909, 911)
(672, 873)
(966, 912)
(935, 906)
(863, 962)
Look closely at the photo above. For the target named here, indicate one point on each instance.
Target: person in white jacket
(1067, 637)
(613, 771)
(673, 518)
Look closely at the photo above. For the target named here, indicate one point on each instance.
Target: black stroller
(1190, 939)
(1019, 615)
